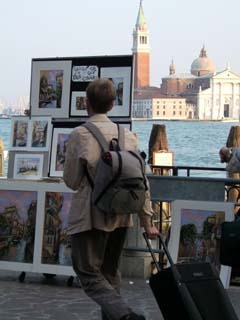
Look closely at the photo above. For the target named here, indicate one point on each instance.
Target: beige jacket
(83, 151)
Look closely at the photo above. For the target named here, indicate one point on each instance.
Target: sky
(56, 28)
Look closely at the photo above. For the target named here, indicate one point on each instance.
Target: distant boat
(4, 116)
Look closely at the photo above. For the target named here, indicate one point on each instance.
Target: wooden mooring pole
(1, 158)
(158, 142)
(233, 141)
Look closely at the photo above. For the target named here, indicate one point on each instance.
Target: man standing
(97, 240)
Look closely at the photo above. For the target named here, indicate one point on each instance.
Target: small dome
(203, 65)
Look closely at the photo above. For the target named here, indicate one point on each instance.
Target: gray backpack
(119, 184)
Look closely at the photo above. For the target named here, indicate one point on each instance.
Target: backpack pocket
(121, 201)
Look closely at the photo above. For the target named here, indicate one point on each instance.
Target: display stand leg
(70, 281)
(21, 278)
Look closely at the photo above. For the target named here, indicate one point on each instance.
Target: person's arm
(146, 213)
(74, 166)
(146, 217)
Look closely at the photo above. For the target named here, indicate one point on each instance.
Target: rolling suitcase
(189, 291)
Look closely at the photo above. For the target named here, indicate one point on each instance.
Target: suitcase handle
(151, 251)
(165, 249)
(175, 272)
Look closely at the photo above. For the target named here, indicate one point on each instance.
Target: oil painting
(41, 132)
(56, 248)
(59, 144)
(17, 225)
(50, 88)
(19, 133)
(78, 104)
(121, 78)
(196, 232)
(28, 166)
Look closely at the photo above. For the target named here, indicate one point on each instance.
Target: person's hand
(225, 154)
(152, 232)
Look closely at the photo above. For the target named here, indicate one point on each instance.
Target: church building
(202, 94)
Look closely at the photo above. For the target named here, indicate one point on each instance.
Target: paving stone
(38, 299)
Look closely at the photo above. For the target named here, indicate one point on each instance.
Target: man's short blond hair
(101, 94)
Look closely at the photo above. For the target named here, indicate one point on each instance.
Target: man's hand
(152, 232)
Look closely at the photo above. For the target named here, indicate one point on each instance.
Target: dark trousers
(96, 257)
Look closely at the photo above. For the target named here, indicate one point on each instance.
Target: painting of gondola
(28, 166)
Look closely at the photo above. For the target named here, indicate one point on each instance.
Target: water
(194, 143)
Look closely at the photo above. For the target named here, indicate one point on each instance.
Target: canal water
(194, 143)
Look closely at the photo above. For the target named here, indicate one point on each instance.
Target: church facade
(205, 94)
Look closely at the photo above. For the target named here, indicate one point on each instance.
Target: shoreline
(184, 120)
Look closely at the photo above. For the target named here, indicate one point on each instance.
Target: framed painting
(121, 78)
(59, 143)
(78, 104)
(11, 159)
(18, 209)
(196, 232)
(84, 73)
(53, 244)
(40, 133)
(19, 139)
(50, 88)
(28, 166)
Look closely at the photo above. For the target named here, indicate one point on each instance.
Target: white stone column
(221, 100)
(213, 107)
(234, 110)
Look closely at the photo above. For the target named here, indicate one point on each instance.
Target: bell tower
(141, 51)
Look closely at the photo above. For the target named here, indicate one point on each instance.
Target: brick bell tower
(141, 51)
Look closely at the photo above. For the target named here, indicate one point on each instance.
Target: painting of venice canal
(56, 247)
(200, 235)
(17, 225)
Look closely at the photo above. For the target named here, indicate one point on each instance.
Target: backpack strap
(97, 135)
(121, 134)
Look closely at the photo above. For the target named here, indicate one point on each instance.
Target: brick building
(141, 51)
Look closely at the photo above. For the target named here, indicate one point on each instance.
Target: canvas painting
(28, 166)
(121, 78)
(19, 133)
(196, 232)
(56, 247)
(50, 88)
(78, 104)
(59, 144)
(17, 225)
(118, 85)
(41, 130)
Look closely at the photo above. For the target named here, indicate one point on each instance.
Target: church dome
(203, 64)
